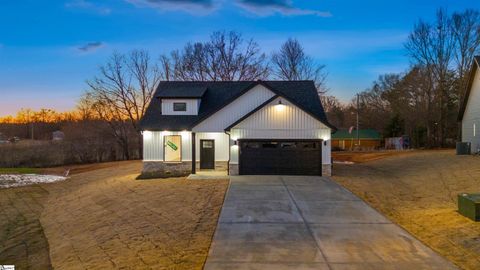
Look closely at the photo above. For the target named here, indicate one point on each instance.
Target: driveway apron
(309, 222)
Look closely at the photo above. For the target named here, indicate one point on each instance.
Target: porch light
(147, 135)
(280, 106)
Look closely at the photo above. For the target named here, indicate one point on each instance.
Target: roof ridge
(242, 81)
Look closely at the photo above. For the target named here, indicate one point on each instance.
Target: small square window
(179, 106)
(207, 144)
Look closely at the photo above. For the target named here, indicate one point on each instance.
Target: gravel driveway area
(305, 222)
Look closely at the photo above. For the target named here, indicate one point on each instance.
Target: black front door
(207, 154)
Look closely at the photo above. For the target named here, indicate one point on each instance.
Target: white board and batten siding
(235, 110)
(471, 116)
(153, 144)
(192, 106)
(285, 121)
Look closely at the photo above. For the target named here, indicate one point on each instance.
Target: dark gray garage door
(282, 157)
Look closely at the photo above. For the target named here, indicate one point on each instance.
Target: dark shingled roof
(187, 91)
(219, 94)
(463, 106)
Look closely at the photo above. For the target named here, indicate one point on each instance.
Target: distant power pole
(358, 109)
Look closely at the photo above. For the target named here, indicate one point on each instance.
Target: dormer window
(179, 106)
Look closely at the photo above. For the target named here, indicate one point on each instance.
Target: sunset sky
(49, 48)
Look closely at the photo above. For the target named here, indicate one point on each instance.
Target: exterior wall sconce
(235, 142)
(279, 107)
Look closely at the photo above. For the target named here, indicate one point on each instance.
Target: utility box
(469, 205)
(463, 148)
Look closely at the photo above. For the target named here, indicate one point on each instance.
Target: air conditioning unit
(463, 148)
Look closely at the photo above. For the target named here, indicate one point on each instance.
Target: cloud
(284, 7)
(86, 5)
(91, 46)
(190, 6)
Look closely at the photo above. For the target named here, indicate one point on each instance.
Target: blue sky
(49, 48)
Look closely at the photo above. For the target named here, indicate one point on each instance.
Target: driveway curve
(309, 222)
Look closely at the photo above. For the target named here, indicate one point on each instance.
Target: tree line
(421, 102)
(105, 124)
(124, 87)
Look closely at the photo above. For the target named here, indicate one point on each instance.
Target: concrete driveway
(308, 222)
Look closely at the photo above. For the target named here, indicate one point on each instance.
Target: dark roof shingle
(186, 91)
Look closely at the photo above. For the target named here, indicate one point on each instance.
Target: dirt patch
(419, 192)
(360, 157)
(104, 218)
(81, 168)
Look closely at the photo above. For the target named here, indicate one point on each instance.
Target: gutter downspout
(194, 162)
(228, 162)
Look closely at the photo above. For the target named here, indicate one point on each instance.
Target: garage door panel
(284, 157)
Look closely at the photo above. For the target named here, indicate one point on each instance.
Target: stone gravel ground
(18, 180)
(105, 219)
(418, 190)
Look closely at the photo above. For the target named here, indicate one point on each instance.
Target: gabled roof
(370, 134)
(303, 94)
(463, 105)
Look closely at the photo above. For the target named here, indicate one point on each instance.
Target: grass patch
(19, 170)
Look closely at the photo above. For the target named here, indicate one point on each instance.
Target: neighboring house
(368, 138)
(469, 114)
(58, 135)
(246, 127)
(3, 139)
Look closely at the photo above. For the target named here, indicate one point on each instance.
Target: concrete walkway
(305, 222)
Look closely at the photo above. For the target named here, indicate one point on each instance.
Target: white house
(246, 127)
(469, 114)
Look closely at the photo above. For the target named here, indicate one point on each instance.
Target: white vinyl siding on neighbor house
(153, 145)
(192, 106)
(471, 116)
(235, 110)
(285, 121)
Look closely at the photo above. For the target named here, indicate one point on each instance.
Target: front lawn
(19, 170)
(418, 190)
(105, 219)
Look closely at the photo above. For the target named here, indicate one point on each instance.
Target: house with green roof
(367, 139)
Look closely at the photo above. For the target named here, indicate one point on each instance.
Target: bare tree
(432, 46)
(225, 57)
(466, 32)
(334, 110)
(291, 63)
(121, 93)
